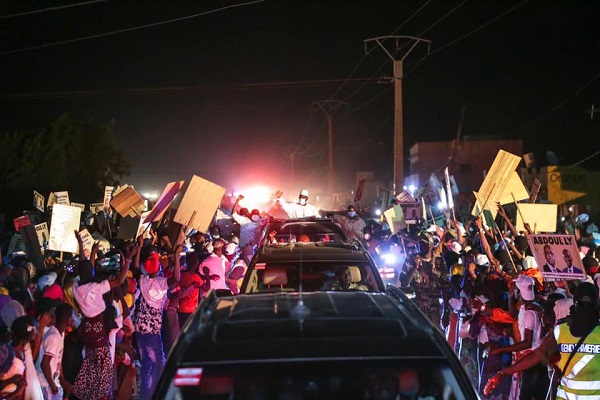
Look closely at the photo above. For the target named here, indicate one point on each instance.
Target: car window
(314, 276)
(314, 380)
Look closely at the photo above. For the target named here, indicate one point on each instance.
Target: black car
(312, 266)
(320, 345)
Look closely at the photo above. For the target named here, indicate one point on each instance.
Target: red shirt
(189, 303)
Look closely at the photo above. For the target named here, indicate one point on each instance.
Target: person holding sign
(95, 378)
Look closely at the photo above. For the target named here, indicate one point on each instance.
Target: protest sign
(21, 221)
(535, 189)
(38, 201)
(62, 198)
(81, 206)
(42, 233)
(448, 189)
(65, 221)
(95, 208)
(51, 199)
(163, 202)
(32, 246)
(103, 243)
(108, 191)
(88, 241)
(557, 256)
(540, 217)
(405, 197)
(495, 182)
(128, 203)
(199, 204)
(143, 227)
(395, 219)
(412, 212)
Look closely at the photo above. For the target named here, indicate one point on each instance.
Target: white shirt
(297, 210)
(528, 319)
(248, 229)
(89, 297)
(154, 290)
(216, 266)
(53, 345)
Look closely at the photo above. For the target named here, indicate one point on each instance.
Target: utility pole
(329, 107)
(398, 180)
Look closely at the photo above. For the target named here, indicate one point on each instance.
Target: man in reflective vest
(581, 371)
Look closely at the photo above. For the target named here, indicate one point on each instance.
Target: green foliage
(78, 155)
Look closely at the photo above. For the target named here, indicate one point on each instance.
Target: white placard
(62, 198)
(65, 221)
(38, 201)
(42, 233)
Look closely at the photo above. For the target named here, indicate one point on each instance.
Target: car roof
(311, 251)
(350, 325)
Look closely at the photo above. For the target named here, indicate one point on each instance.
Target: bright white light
(404, 187)
(412, 189)
(151, 196)
(255, 197)
(441, 206)
(571, 209)
(389, 258)
(378, 212)
(563, 219)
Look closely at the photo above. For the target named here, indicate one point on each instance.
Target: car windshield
(312, 275)
(302, 231)
(342, 379)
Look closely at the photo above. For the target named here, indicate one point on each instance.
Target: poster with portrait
(412, 212)
(557, 256)
(65, 221)
(42, 232)
(38, 201)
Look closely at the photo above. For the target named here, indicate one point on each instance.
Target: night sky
(227, 95)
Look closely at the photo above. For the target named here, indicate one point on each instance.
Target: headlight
(388, 258)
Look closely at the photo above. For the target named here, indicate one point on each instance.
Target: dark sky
(227, 95)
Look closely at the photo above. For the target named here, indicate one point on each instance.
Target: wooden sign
(199, 204)
(540, 217)
(395, 219)
(65, 221)
(38, 201)
(164, 201)
(128, 203)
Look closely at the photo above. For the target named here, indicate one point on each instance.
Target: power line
(556, 107)
(42, 46)
(83, 3)
(585, 159)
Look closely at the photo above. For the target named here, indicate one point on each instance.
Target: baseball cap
(525, 284)
(482, 259)
(231, 248)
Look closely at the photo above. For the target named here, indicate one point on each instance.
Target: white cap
(304, 192)
(482, 259)
(231, 248)
(525, 284)
(456, 247)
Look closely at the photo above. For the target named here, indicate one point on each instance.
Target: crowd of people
(99, 324)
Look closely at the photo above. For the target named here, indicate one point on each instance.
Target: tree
(78, 155)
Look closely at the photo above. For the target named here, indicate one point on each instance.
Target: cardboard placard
(163, 202)
(540, 217)
(38, 201)
(199, 204)
(395, 219)
(65, 221)
(43, 234)
(495, 182)
(21, 221)
(514, 190)
(62, 198)
(88, 241)
(128, 203)
(554, 253)
(51, 199)
(79, 205)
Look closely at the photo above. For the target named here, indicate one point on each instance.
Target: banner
(65, 221)
(38, 201)
(199, 204)
(557, 256)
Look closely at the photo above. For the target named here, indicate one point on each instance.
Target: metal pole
(330, 163)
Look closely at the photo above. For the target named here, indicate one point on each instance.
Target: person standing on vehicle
(352, 225)
(301, 209)
(250, 224)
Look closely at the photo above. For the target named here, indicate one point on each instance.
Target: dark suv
(320, 345)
